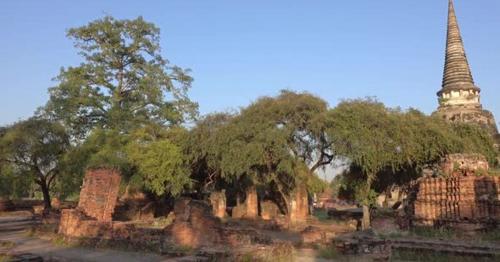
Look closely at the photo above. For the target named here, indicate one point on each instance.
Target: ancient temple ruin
(93, 216)
(463, 195)
(459, 97)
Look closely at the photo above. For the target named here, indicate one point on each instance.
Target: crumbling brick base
(460, 199)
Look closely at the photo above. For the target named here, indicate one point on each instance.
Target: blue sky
(240, 50)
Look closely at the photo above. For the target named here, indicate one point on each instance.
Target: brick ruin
(218, 202)
(299, 205)
(93, 215)
(464, 195)
(458, 199)
(249, 208)
(194, 224)
(269, 210)
(99, 193)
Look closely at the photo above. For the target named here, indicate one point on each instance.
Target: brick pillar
(218, 201)
(251, 203)
(298, 210)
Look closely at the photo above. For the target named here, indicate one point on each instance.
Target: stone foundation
(75, 224)
(92, 217)
(194, 224)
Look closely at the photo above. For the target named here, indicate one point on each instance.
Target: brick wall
(99, 193)
(458, 199)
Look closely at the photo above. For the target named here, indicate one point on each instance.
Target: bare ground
(14, 230)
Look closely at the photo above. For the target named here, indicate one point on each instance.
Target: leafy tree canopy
(35, 148)
(388, 145)
(123, 83)
(149, 158)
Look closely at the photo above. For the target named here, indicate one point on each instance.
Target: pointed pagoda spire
(457, 73)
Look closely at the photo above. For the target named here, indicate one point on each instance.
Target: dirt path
(13, 229)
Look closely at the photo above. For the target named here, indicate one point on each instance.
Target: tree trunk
(46, 195)
(366, 222)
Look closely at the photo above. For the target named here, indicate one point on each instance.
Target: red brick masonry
(99, 193)
(92, 217)
(458, 199)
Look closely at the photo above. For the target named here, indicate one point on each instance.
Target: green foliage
(203, 148)
(161, 165)
(363, 132)
(388, 146)
(475, 139)
(270, 143)
(123, 83)
(146, 158)
(107, 149)
(34, 148)
(316, 184)
(13, 185)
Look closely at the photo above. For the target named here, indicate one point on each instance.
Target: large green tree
(300, 118)
(35, 148)
(387, 146)
(123, 83)
(361, 132)
(277, 143)
(149, 159)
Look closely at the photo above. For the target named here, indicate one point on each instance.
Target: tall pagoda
(459, 97)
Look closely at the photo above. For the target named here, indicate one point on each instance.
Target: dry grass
(328, 252)
(281, 252)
